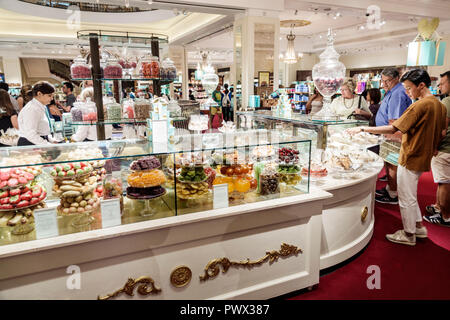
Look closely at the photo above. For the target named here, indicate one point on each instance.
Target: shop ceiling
(207, 24)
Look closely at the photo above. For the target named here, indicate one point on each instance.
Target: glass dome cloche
(210, 80)
(328, 76)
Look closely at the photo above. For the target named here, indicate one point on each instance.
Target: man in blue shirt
(394, 103)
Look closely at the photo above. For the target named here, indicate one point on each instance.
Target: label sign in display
(45, 223)
(160, 136)
(220, 196)
(110, 213)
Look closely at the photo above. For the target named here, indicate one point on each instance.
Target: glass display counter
(75, 179)
(297, 125)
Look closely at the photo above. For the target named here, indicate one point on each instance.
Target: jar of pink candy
(89, 111)
(113, 69)
(80, 69)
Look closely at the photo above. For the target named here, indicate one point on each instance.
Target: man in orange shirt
(422, 125)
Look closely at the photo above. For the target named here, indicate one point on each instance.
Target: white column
(12, 70)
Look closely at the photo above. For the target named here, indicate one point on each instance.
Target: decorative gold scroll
(212, 268)
(147, 287)
(364, 213)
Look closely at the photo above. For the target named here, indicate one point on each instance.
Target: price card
(160, 136)
(220, 196)
(45, 223)
(110, 213)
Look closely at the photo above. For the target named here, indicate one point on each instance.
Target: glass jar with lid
(128, 108)
(168, 70)
(77, 111)
(113, 69)
(142, 108)
(113, 110)
(89, 111)
(150, 67)
(80, 69)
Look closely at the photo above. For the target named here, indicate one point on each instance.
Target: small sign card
(160, 136)
(220, 196)
(45, 223)
(110, 213)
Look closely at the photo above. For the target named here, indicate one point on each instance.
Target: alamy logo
(373, 17)
(74, 280)
(374, 281)
(73, 22)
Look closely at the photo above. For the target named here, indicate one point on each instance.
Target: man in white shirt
(34, 123)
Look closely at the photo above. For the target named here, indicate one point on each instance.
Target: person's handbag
(355, 116)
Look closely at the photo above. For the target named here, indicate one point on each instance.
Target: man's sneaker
(432, 210)
(384, 178)
(437, 219)
(386, 199)
(401, 237)
(421, 233)
(381, 192)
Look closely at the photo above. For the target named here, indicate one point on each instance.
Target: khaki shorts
(440, 166)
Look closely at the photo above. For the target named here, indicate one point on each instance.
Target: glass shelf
(127, 79)
(121, 121)
(134, 39)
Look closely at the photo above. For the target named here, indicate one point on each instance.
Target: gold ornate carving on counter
(364, 213)
(181, 276)
(147, 286)
(212, 268)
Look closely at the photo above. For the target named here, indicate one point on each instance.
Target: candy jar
(328, 76)
(114, 111)
(168, 70)
(113, 69)
(77, 111)
(150, 67)
(128, 108)
(80, 69)
(142, 108)
(89, 111)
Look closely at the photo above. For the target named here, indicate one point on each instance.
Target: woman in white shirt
(89, 132)
(34, 120)
(349, 103)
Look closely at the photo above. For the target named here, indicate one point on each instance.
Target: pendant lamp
(291, 56)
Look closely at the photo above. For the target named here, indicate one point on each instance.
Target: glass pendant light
(291, 56)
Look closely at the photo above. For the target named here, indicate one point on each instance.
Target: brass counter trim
(364, 213)
(143, 289)
(212, 268)
(180, 276)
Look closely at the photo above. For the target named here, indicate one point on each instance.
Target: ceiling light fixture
(291, 56)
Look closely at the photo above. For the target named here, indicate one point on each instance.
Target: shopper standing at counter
(394, 103)
(26, 95)
(422, 125)
(315, 103)
(5, 86)
(440, 166)
(8, 116)
(349, 104)
(70, 97)
(34, 119)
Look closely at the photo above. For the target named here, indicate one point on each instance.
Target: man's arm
(389, 129)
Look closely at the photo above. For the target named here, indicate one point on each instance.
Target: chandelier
(291, 56)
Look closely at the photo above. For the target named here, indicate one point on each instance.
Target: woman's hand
(353, 131)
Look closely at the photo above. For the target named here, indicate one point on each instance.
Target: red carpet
(419, 272)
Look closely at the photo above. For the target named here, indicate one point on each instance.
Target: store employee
(34, 120)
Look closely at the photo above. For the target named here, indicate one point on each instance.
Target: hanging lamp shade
(291, 56)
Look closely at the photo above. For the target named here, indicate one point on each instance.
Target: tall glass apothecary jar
(328, 76)
(113, 69)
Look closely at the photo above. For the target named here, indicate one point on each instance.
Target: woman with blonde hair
(86, 133)
(350, 104)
